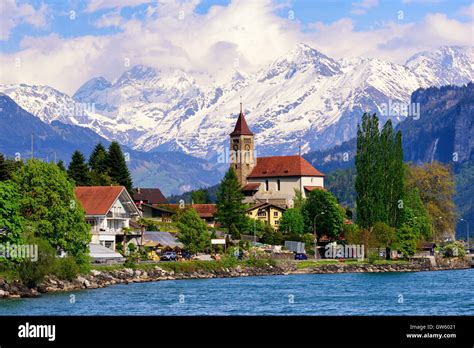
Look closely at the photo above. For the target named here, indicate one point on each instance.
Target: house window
(109, 244)
(312, 179)
(266, 185)
(262, 213)
(278, 184)
(275, 214)
(277, 222)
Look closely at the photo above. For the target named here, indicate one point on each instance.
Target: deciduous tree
(47, 202)
(193, 232)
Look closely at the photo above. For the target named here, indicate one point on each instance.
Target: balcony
(111, 215)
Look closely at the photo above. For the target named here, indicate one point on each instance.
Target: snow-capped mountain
(304, 98)
(448, 65)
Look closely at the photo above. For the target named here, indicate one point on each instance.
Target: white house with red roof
(109, 209)
(271, 179)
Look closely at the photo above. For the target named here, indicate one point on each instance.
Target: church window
(278, 184)
(266, 185)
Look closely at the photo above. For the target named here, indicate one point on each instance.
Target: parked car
(300, 256)
(185, 255)
(168, 256)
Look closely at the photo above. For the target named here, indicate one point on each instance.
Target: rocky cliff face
(444, 130)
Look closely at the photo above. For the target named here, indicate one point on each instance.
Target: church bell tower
(242, 149)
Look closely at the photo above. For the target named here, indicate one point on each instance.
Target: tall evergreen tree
(61, 166)
(230, 209)
(98, 159)
(200, 196)
(78, 170)
(380, 173)
(117, 165)
(368, 172)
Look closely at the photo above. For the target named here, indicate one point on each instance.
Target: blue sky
(102, 33)
(305, 11)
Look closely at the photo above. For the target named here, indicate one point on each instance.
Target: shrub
(406, 240)
(31, 272)
(373, 256)
(66, 268)
(454, 249)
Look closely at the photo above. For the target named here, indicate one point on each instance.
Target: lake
(419, 293)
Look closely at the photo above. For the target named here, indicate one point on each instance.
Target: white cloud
(392, 41)
(95, 5)
(467, 11)
(248, 32)
(12, 14)
(361, 7)
(110, 19)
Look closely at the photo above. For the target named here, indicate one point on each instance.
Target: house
(206, 212)
(426, 249)
(272, 178)
(156, 212)
(267, 212)
(109, 209)
(149, 196)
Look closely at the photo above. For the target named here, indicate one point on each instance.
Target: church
(269, 179)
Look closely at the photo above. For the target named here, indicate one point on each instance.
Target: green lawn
(316, 263)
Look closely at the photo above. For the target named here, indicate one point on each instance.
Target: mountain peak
(445, 65)
(301, 59)
(94, 84)
(138, 72)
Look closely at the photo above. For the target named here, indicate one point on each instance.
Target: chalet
(150, 196)
(207, 212)
(267, 212)
(271, 179)
(109, 209)
(156, 212)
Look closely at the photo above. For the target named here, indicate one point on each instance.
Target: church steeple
(242, 148)
(241, 127)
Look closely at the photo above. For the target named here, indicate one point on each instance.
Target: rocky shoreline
(100, 279)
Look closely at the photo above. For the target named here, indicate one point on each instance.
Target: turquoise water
(422, 293)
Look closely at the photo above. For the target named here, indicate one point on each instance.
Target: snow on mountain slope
(447, 65)
(304, 98)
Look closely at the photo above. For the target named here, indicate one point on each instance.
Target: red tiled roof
(205, 210)
(251, 187)
(283, 166)
(97, 200)
(149, 195)
(312, 188)
(241, 127)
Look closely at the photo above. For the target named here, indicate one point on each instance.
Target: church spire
(241, 127)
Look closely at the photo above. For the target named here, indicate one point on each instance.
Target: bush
(406, 240)
(31, 272)
(66, 268)
(454, 249)
(373, 256)
(131, 261)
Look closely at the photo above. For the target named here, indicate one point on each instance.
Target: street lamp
(315, 237)
(467, 230)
